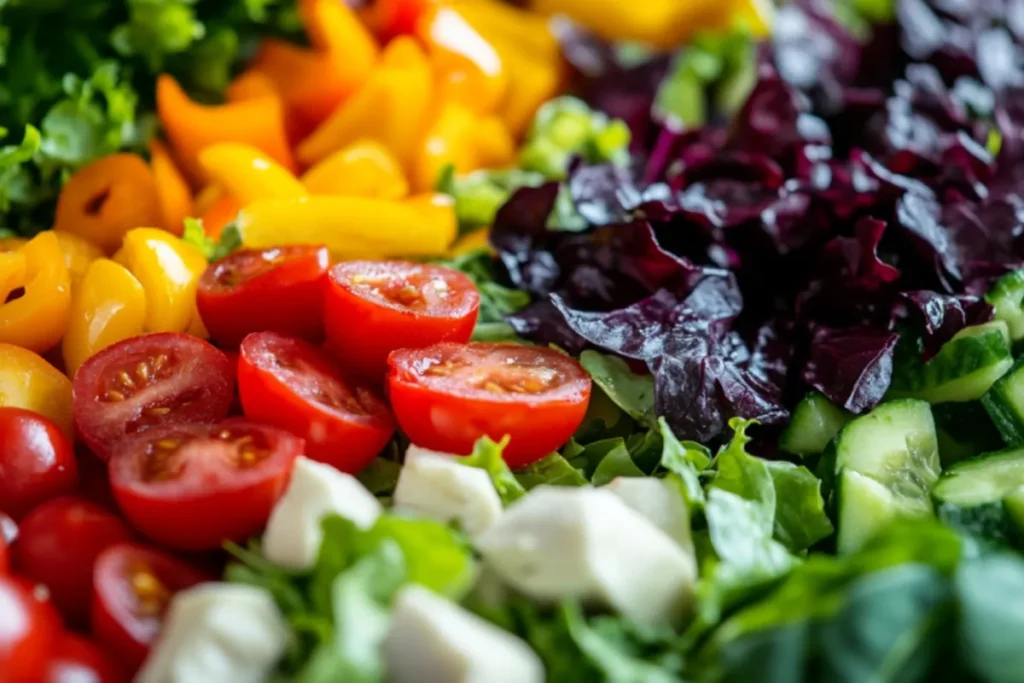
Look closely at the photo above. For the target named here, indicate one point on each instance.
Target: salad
(470, 341)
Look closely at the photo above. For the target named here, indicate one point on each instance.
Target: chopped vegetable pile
(466, 341)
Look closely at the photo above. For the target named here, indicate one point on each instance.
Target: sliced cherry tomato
(27, 632)
(279, 289)
(58, 543)
(133, 587)
(192, 487)
(447, 396)
(149, 381)
(287, 382)
(36, 461)
(373, 308)
(74, 659)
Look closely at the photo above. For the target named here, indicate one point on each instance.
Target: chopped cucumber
(1005, 404)
(886, 463)
(1007, 298)
(984, 496)
(963, 369)
(815, 421)
(964, 430)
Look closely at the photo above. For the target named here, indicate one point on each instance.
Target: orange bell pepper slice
(107, 198)
(191, 126)
(172, 188)
(533, 80)
(462, 139)
(248, 174)
(251, 84)
(363, 169)
(27, 381)
(78, 254)
(37, 294)
(335, 28)
(392, 107)
(222, 213)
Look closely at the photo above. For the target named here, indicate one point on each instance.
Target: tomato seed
(149, 590)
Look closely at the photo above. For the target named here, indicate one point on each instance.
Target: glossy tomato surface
(57, 544)
(73, 659)
(279, 289)
(149, 381)
(446, 396)
(133, 588)
(36, 461)
(375, 307)
(8, 532)
(289, 383)
(27, 632)
(192, 487)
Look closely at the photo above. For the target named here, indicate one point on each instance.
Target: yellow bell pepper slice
(29, 382)
(108, 306)
(496, 18)
(78, 254)
(533, 80)
(365, 168)
(474, 241)
(34, 311)
(353, 227)
(248, 174)
(169, 271)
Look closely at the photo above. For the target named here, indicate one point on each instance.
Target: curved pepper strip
(251, 84)
(27, 381)
(459, 138)
(191, 127)
(335, 28)
(108, 306)
(393, 107)
(172, 188)
(169, 271)
(36, 294)
(533, 80)
(496, 18)
(78, 254)
(365, 168)
(248, 174)
(107, 198)
(353, 227)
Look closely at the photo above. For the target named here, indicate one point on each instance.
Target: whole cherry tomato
(74, 659)
(36, 461)
(27, 632)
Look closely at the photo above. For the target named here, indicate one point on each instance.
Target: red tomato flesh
(27, 632)
(133, 588)
(74, 659)
(36, 461)
(192, 487)
(373, 308)
(447, 396)
(291, 384)
(57, 544)
(280, 289)
(149, 381)
(398, 17)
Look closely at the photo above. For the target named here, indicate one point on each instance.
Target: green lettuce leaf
(487, 455)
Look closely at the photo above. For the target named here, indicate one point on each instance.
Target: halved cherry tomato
(74, 659)
(192, 487)
(252, 290)
(448, 395)
(36, 461)
(375, 307)
(149, 381)
(58, 543)
(27, 633)
(133, 587)
(287, 382)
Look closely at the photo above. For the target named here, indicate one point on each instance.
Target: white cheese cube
(661, 502)
(587, 544)
(433, 640)
(293, 534)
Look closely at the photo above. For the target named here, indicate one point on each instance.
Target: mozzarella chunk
(661, 502)
(587, 544)
(433, 640)
(217, 632)
(293, 534)
(436, 485)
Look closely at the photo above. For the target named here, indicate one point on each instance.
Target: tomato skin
(202, 496)
(363, 327)
(74, 659)
(36, 461)
(8, 532)
(289, 398)
(27, 634)
(399, 17)
(446, 414)
(118, 623)
(172, 378)
(287, 296)
(57, 544)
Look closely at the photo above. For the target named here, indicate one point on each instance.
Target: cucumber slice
(964, 430)
(815, 421)
(1005, 404)
(984, 496)
(1007, 298)
(886, 463)
(963, 369)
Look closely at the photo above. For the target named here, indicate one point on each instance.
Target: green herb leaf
(552, 470)
(487, 455)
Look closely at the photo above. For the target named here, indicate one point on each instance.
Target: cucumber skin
(1000, 407)
(964, 430)
(1007, 298)
(989, 522)
(829, 419)
(955, 374)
